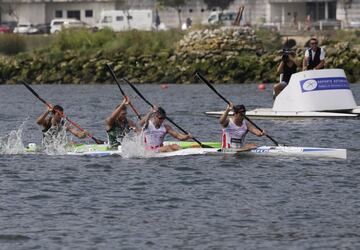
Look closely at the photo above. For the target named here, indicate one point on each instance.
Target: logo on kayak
(310, 85)
(326, 83)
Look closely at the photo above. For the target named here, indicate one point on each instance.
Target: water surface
(194, 202)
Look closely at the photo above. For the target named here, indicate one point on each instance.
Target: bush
(145, 42)
(82, 38)
(271, 40)
(11, 44)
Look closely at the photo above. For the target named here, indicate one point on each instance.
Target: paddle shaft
(62, 114)
(121, 90)
(228, 102)
(167, 118)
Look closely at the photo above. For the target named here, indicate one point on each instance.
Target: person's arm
(111, 119)
(280, 68)
(224, 121)
(41, 120)
(133, 126)
(320, 65)
(78, 133)
(292, 58)
(177, 135)
(305, 63)
(146, 118)
(254, 130)
(306, 60)
(322, 59)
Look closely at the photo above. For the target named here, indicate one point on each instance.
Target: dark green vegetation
(222, 55)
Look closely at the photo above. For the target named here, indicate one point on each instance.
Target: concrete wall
(64, 7)
(285, 13)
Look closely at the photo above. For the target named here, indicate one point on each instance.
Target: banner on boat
(324, 83)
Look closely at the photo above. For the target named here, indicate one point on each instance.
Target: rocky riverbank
(224, 55)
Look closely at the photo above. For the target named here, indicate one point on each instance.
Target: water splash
(55, 144)
(12, 143)
(133, 146)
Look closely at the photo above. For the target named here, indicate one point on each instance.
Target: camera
(285, 55)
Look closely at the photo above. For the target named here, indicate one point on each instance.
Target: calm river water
(195, 202)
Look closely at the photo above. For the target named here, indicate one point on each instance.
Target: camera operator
(286, 68)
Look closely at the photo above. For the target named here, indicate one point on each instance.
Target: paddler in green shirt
(53, 122)
(118, 125)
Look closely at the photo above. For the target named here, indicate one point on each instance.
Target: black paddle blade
(34, 93)
(202, 78)
(114, 77)
(138, 92)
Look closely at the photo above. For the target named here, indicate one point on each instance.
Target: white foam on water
(133, 146)
(12, 143)
(57, 144)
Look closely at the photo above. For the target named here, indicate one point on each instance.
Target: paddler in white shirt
(154, 131)
(236, 128)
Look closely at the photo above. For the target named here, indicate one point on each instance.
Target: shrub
(11, 44)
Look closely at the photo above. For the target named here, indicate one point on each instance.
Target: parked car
(43, 28)
(4, 29)
(10, 24)
(25, 28)
(354, 24)
(58, 24)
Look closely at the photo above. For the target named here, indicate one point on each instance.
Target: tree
(346, 5)
(125, 6)
(10, 10)
(222, 4)
(175, 4)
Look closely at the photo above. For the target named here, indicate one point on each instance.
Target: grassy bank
(79, 56)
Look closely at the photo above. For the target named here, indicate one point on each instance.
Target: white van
(120, 20)
(57, 24)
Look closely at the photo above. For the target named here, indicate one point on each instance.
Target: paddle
(167, 118)
(122, 92)
(228, 102)
(62, 114)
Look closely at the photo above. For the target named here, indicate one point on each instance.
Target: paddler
(154, 131)
(53, 122)
(118, 124)
(236, 128)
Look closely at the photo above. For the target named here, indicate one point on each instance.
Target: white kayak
(291, 151)
(189, 148)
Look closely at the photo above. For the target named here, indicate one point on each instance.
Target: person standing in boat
(55, 126)
(286, 68)
(154, 131)
(118, 125)
(236, 128)
(314, 56)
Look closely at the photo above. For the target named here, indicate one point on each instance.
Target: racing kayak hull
(191, 148)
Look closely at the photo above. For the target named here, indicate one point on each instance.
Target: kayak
(211, 148)
(290, 151)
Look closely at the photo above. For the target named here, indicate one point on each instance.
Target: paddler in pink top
(236, 128)
(154, 132)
